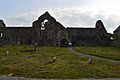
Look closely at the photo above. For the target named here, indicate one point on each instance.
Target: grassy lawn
(67, 65)
(105, 52)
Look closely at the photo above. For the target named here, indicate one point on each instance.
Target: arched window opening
(64, 42)
(1, 35)
(43, 24)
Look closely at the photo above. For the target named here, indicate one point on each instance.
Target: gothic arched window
(43, 24)
(1, 34)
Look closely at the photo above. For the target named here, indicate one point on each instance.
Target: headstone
(7, 53)
(51, 61)
(35, 46)
(10, 74)
(54, 59)
(90, 61)
(16, 61)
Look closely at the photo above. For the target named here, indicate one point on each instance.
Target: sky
(70, 13)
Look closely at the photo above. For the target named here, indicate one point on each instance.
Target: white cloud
(74, 16)
(79, 17)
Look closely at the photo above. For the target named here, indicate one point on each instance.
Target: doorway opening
(63, 42)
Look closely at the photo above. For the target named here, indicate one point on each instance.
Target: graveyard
(57, 62)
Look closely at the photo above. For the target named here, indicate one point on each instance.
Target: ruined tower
(103, 37)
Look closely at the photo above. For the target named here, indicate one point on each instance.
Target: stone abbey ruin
(46, 31)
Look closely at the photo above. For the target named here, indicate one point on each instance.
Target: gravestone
(90, 61)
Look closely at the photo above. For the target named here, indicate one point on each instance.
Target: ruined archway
(63, 42)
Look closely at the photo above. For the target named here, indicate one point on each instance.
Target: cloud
(69, 17)
(73, 13)
(80, 18)
(23, 19)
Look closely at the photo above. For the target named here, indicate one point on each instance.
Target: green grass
(67, 65)
(105, 52)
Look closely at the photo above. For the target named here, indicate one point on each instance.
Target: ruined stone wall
(82, 36)
(18, 35)
(2, 31)
(103, 36)
(89, 36)
(117, 37)
(46, 31)
(46, 28)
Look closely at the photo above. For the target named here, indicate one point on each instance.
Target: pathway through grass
(105, 52)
